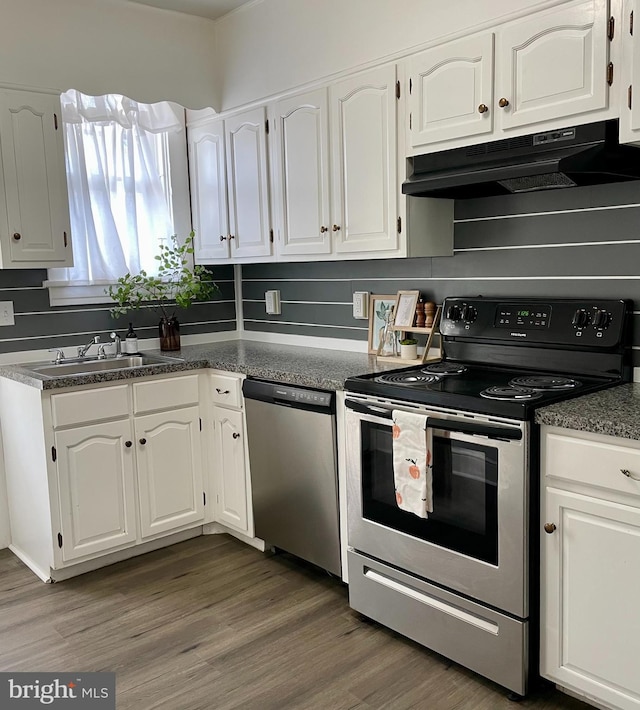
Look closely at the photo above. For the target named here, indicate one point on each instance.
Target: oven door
(475, 541)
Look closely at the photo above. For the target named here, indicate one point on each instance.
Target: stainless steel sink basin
(89, 365)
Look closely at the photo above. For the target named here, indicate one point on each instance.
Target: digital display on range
(523, 317)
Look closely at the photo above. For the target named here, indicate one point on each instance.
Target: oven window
(465, 493)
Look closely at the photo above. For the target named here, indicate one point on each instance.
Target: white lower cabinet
(101, 469)
(96, 483)
(169, 462)
(231, 484)
(590, 547)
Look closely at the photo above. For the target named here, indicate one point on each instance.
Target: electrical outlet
(272, 302)
(361, 305)
(6, 313)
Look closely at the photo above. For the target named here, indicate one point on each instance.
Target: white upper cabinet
(451, 92)
(363, 138)
(545, 70)
(301, 174)
(248, 186)
(553, 64)
(208, 175)
(229, 188)
(34, 209)
(630, 104)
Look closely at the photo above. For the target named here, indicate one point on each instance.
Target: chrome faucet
(59, 355)
(116, 339)
(83, 349)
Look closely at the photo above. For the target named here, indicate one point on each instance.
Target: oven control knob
(453, 313)
(601, 319)
(580, 318)
(469, 313)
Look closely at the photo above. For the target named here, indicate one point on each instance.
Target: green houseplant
(177, 285)
(409, 348)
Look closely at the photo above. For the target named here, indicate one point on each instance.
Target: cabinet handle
(503, 103)
(323, 229)
(128, 444)
(223, 238)
(232, 236)
(17, 236)
(336, 228)
(483, 108)
(628, 474)
(549, 528)
(143, 441)
(236, 435)
(219, 391)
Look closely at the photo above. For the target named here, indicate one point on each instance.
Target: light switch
(6, 313)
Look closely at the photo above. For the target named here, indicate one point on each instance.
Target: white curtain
(117, 177)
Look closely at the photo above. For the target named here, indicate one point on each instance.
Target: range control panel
(561, 322)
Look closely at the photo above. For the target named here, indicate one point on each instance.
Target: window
(128, 190)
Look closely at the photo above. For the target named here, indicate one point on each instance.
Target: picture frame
(405, 309)
(379, 305)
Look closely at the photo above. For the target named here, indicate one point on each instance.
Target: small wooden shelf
(429, 332)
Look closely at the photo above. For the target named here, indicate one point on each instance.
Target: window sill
(62, 293)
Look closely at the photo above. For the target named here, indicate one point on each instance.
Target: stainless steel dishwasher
(291, 433)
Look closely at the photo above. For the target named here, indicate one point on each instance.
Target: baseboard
(218, 529)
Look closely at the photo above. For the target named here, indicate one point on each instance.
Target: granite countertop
(614, 411)
(311, 367)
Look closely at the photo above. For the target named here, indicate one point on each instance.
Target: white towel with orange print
(412, 444)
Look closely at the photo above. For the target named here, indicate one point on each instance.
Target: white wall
(270, 46)
(108, 46)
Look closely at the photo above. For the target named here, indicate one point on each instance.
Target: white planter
(409, 352)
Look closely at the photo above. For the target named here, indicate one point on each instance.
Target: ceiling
(211, 9)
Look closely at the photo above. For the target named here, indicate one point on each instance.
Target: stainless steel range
(463, 580)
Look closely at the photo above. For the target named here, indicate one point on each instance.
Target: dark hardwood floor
(213, 624)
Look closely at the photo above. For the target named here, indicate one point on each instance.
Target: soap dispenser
(131, 341)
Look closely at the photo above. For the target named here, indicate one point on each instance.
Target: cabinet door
(169, 470)
(630, 104)
(247, 176)
(208, 176)
(451, 92)
(232, 506)
(97, 489)
(553, 64)
(590, 620)
(35, 231)
(364, 175)
(301, 155)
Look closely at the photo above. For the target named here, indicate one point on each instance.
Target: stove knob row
(582, 318)
(467, 313)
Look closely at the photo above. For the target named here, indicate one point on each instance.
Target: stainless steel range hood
(588, 154)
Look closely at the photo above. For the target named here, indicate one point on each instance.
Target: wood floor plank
(212, 624)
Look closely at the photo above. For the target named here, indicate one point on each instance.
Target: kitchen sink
(86, 366)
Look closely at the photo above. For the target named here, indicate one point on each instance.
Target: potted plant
(409, 349)
(177, 284)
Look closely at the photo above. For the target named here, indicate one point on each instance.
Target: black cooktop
(516, 398)
(507, 357)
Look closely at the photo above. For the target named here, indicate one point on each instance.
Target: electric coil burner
(408, 379)
(445, 368)
(510, 394)
(463, 580)
(543, 382)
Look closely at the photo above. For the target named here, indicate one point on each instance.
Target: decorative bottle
(131, 342)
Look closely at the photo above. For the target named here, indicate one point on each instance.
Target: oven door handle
(495, 432)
